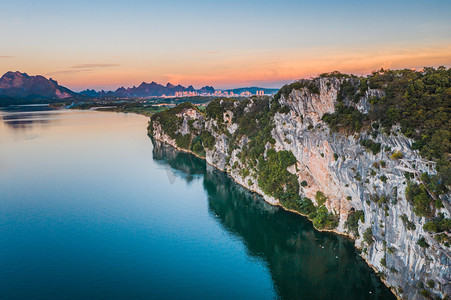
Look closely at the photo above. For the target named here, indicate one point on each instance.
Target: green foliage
(335, 156)
(334, 74)
(352, 89)
(368, 236)
(420, 102)
(216, 108)
(183, 141)
(284, 110)
(275, 180)
(345, 118)
(407, 223)
(382, 200)
(169, 121)
(324, 220)
(391, 250)
(197, 147)
(245, 172)
(191, 125)
(374, 147)
(256, 123)
(311, 86)
(425, 293)
(208, 140)
(419, 197)
(439, 224)
(320, 198)
(352, 223)
(304, 183)
(443, 238)
(306, 207)
(422, 242)
(397, 155)
(434, 184)
(383, 262)
(357, 176)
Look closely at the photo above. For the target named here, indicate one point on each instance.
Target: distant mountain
(23, 86)
(207, 89)
(16, 85)
(94, 93)
(152, 89)
(252, 90)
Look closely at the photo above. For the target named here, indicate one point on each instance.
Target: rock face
(312, 107)
(351, 178)
(21, 85)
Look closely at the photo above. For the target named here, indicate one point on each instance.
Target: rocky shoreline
(349, 175)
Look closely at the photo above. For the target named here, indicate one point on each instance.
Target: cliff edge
(339, 150)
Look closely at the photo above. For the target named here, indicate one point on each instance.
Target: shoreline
(278, 204)
(254, 191)
(343, 234)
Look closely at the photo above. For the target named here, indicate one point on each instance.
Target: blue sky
(105, 44)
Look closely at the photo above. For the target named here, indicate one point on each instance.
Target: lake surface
(91, 208)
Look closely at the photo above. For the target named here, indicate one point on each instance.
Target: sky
(107, 44)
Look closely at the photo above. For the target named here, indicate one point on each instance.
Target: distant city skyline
(108, 44)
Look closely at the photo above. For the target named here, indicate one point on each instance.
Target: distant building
(260, 93)
(186, 94)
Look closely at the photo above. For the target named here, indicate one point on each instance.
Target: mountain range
(152, 89)
(17, 85)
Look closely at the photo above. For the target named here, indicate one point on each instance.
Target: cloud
(6, 56)
(81, 68)
(90, 66)
(67, 72)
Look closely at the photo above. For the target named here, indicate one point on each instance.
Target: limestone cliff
(336, 163)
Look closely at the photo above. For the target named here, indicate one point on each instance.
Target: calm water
(91, 208)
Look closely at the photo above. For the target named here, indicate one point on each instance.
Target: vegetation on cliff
(310, 85)
(409, 103)
(418, 101)
(254, 118)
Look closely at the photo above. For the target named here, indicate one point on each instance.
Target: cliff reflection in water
(303, 263)
(26, 116)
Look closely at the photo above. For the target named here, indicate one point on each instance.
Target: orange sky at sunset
(106, 45)
(263, 68)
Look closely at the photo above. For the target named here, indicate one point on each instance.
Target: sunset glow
(101, 45)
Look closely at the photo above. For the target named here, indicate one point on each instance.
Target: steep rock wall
(351, 178)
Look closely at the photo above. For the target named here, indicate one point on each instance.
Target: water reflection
(185, 165)
(22, 117)
(303, 263)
